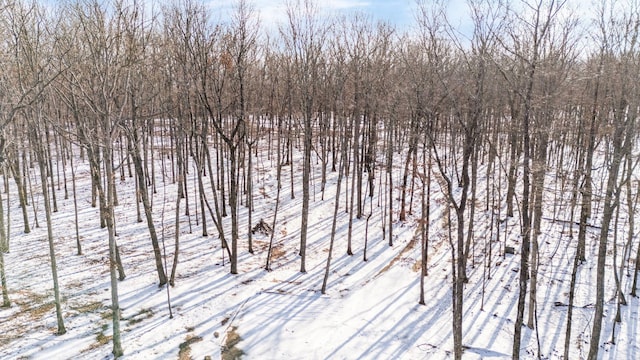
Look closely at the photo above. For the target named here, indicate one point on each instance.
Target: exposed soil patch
(229, 350)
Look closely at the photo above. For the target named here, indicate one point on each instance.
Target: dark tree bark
(42, 162)
(144, 194)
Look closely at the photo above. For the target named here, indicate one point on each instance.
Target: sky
(397, 12)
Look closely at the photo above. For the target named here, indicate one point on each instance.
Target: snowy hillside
(370, 311)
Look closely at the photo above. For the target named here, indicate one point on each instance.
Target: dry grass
(277, 252)
(106, 315)
(101, 339)
(141, 315)
(33, 305)
(75, 285)
(410, 245)
(185, 347)
(87, 307)
(230, 351)
(40, 311)
(224, 321)
(6, 339)
(417, 266)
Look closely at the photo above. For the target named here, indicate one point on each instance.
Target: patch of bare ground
(401, 256)
(277, 250)
(185, 347)
(230, 350)
(141, 315)
(89, 307)
(101, 339)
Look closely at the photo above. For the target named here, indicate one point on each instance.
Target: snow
(370, 311)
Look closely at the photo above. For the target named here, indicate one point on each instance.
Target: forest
(145, 144)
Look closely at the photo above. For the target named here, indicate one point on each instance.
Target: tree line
(530, 93)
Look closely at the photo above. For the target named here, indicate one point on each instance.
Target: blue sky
(397, 12)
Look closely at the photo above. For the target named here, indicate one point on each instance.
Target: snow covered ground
(370, 311)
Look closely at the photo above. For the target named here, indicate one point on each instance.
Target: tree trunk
(306, 171)
(22, 193)
(52, 254)
(176, 250)
(426, 212)
(586, 188)
(4, 243)
(233, 204)
(278, 188)
(636, 268)
(390, 177)
(107, 210)
(4, 248)
(250, 195)
(610, 203)
(572, 292)
(49, 167)
(335, 217)
(3, 282)
(144, 193)
(75, 205)
(526, 221)
(538, 189)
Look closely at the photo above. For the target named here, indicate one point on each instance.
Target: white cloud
(343, 4)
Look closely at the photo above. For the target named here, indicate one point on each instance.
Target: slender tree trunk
(4, 248)
(526, 189)
(390, 177)
(144, 193)
(636, 268)
(3, 282)
(52, 254)
(472, 212)
(200, 170)
(107, 210)
(572, 292)
(335, 218)
(352, 166)
(217, 223)
(513, 173)
(233, 204)
(250, 196)
(426, 212)
(405, 178)
(306, 171)
(4, 243)
(75, 204)
(610, 203)
(22, 193)
(538, 188)
(8, 232)
(176, 250)
(278, 188)
(586, 188)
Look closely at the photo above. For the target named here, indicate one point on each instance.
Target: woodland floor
(371, 308)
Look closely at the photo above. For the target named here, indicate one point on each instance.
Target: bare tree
(242, 50)
(100, 87)
(621, 40)
(530, 29)
(304, 39)
(136, 32)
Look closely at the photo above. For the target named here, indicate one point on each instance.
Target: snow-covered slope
(370, 311)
